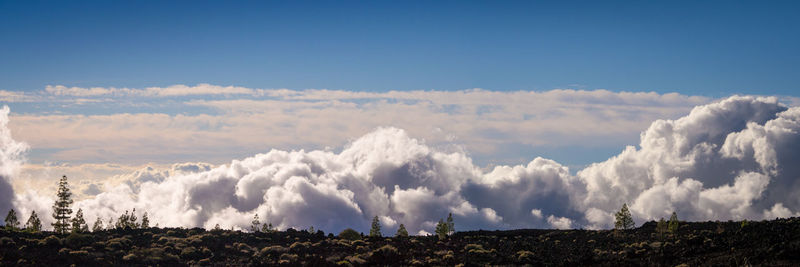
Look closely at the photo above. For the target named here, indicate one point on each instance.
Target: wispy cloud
(175, 90)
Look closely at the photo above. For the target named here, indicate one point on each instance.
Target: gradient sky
(710, 48)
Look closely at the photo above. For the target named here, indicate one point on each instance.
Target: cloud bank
(218, 123)
(731, 159)
(11, 159)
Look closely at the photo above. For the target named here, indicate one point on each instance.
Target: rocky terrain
(772, 243)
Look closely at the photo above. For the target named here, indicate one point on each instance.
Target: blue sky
(711, 48)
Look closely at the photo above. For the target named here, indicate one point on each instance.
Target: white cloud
(559, 222)
(175, 90)
(732, 159)
(725, 160)
(11, 159)
(537, 213)
(779, 211)
(16, 97)
(234, 122)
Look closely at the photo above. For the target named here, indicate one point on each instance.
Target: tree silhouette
(132, 220)
(375, 231)
(661, 227)
(33, 225)
(451, 229)
(673, 223)
(12, 223)
(441, 229)
(267, 228)
(145, 221)
(624, 220)
(122, 221)
(98, 225)
(255, 225)
(401, 231)
(61, 209)
(78, 223)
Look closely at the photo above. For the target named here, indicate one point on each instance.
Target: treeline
(65, 223)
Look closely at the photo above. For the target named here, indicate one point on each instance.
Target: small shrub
(300, 247)
(480, 255)
(358, 243)
(344, 263)
(385, 255)
(76, 240)
(350, 234)
(119, 243)
(174, 233)
(524, 256)
(7, 242)
(288, 258)
(79, 253)
(190, 253)
(355, 260)
(51, 241)
(243, 247)
(472, 247)
(129, 257)
(114, 245)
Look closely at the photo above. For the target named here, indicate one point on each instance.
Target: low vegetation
(774, 242)
(130, 241)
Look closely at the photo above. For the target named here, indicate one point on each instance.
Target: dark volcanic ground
(775, 243)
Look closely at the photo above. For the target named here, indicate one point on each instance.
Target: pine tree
(12, 223)
(451, 229)
(217, 228)
(145, 221)
(98, 225)
(267, 228)
(33, 225)
(661, 227)
(61, 209)
(375, 231)
(401, 231)
(624, 220)
(255, 225)
(132, 220)
(673, 223)
(122, 221)
(78, 223)
(441, 229)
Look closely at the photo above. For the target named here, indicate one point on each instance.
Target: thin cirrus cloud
(730, 159)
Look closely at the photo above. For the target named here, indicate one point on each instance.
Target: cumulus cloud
(725, 160)
(11, 158)
(559, 222)
(732, 159)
